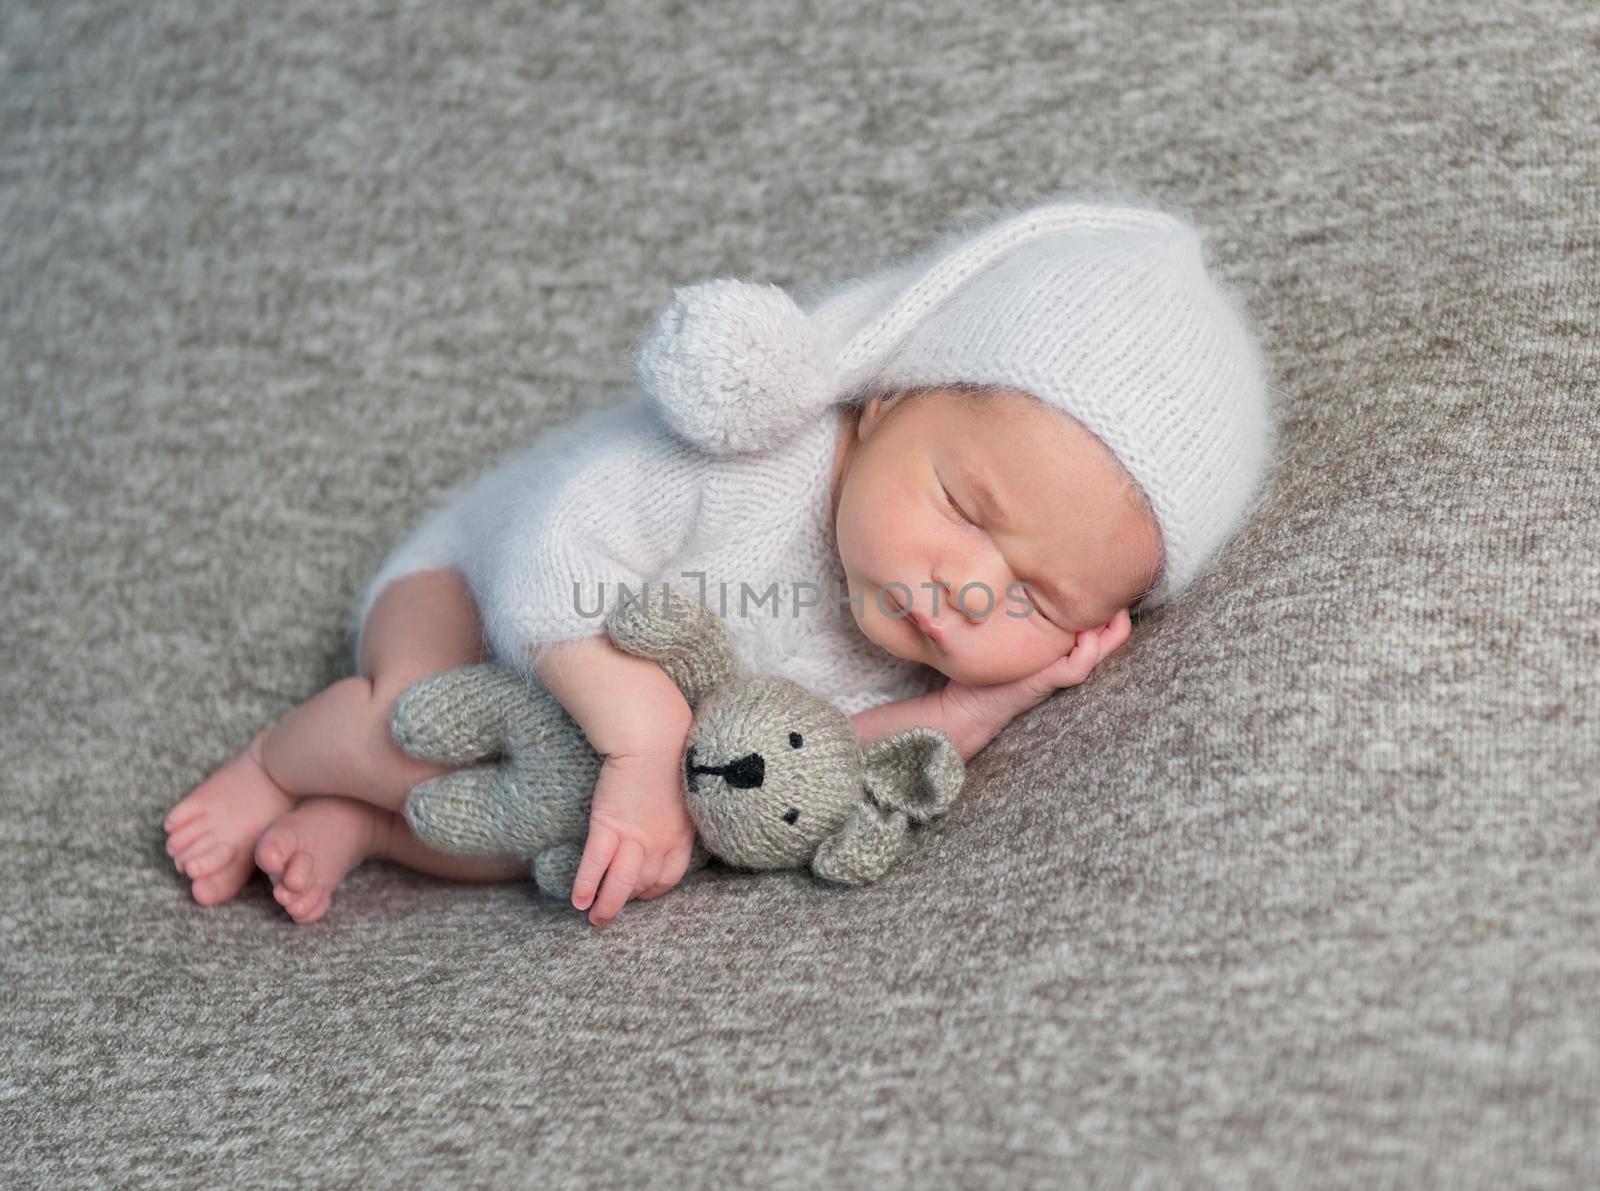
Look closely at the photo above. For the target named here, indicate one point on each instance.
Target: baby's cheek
(1004, 655)
(1028, 645)
(886, 633)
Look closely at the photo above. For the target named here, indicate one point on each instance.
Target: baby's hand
(640, 834)
(1001, 703)
(1091, 647)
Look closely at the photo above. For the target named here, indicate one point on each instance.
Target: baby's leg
(338, 742)
(325, 838)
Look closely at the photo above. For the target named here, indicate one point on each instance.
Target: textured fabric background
(1302, 886)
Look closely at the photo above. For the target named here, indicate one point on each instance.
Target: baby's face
(980, 496)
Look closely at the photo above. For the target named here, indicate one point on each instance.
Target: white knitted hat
(1106, 312)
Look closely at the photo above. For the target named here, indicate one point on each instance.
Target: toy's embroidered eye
(794, 740)
(790, 815)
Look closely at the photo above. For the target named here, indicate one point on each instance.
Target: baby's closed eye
(951, 501)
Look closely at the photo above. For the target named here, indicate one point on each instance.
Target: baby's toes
(184, 837)
(298, 872)
(195, 848)
(186, 812)
(218, 887)
(270, 854)
(209, 862)
(311, 905)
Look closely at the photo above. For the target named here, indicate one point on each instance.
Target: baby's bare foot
(212, 832)
(308, 851)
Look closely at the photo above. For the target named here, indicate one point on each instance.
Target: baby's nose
(974, 598)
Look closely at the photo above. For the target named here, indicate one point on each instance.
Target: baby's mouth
(926, 627)
(929, 630)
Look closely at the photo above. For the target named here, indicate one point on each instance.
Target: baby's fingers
(673, 867)
(1116, 632)
(598, 850)
(1083, 658)
(649, 878)
(621, 879)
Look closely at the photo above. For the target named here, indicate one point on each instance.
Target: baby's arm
(633, 714)
(972, 716)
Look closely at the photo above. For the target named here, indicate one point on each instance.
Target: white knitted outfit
(722, 463)
(616, 496)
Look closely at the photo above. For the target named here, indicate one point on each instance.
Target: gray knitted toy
(774, 777)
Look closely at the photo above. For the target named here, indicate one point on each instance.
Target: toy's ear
(911, 775)
(916, 771)
(678, 633)
(734, 366)
(863, 848)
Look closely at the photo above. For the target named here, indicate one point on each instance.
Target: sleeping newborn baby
(932, 496)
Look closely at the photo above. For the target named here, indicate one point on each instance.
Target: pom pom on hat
(734, 366)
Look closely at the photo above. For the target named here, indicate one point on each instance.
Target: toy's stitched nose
(746, 773)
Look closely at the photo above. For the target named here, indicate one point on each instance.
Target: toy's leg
(396, 843)
(556, 868)
(478, 811)
(464, 715)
